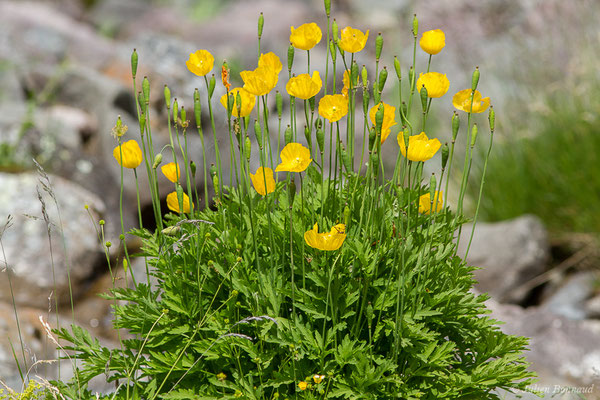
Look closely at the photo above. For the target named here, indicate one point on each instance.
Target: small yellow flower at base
(436, 84)
(389, 113)
(318, 378)
(306, 36)
(425, 203)
(352, 40)
(331, 240)
(247, 98)
(333, 107)
(173, 204)
(420, 147)
(462, 101)
(304, 86)
(132, 154)
(302, 385)
(201, 62)
(171, 171)
(432, 42)
(221, 376)
(263, 181)
(294, 158)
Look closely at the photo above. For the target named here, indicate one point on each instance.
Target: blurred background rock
(65, 76)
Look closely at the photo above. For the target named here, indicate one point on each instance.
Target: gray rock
(569, 299)
(36, 269)
(509, 254)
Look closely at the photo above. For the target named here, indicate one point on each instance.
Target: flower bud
(213, 170)
(238, 103)
(354, 74)
(230, 104)
(432, 186)
(327, 7)
(142, 102)
(374, 162)
(248, 147)
(423, 93)
(332, 51)
(473, 135)
(372, 137)
(288, 135)
(364, 75)
(334, 30)
(279, 102)
(382, 78)
(101, 222)
(378, 46)
(183, 117)
(318, 123)
(108, 244)
(261, 24)
(197, 108)
(291, 191)
(321, 139)
(311, 103)
(379, 118)
(157, 160)
(146, 89)
(415, 26)
(215, 180)
(455, 125)
(193, 169)
(376, 96)
(307, 136)
(346, 216)
(179, 191)
(475, 79)
(211, 86)
(258, 132)
(397, 68)
(175, 111)
(366, 98)
(125, 265)
(445, 154)
(171, 230)
(492, 119)
(290, 57)
(142, 123)
(167, 97)
(404, 109)
(134, 63)
(411, 78)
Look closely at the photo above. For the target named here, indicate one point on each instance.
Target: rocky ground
(65, 76)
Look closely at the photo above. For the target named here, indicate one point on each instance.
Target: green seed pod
(411, 78)
(492, 119)
(175, 111)
(288, 135)
(193, 168)
(230, 104)
(134, 63)
(183, 115)
(455, 125)
(291, 191)
(290, 57)
(382, 78)
(364, 75)
(327, 7)
(404, 109)
(125, 265)
(108, 244)
(167, 97)
(258, 132)
(445, 154)
(101, 222)
(376, 97)
(473, 135)
(346, 160)
(475, 79)
(215, 180)
(261, 24)
(171, 230)
(179, 191)
(213, 170)
(415, 26)
(279, 102)
(366, 99)
(146, 89)
(211, 86)
(346, 216)
(379, 118)
(248, 147)
(307, 136)
(142, 123)
(321, 139)
(378, 46)
(332, 51)
(372, 137)
(197, 108)
(318, 123)
(157, 160)
(334, 30)
(374, 162)
(311, 103)
(238, 103)
(397, 68)
(432, 186)
(354, 74)
(423, 93)
(142, 102)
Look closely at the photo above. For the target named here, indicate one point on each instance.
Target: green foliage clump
(33, 391)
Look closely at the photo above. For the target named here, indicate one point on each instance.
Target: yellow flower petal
(270, 60)
(304, 86)
(263, 181)
(420, 147)
(389, 114)
(302, 385)
(462, 101)
(433, 42)
(200, 63)
(294, 158)
(171, 171)
(352, 40)
(132, 154)
(173, 204)
(436, 84)
(333, 107)
(247, 98)
(328, 241)
(425, 203)
(306, 36)
(260, 81)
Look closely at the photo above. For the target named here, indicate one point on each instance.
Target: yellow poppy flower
(333, 107)
(294, 158)
(432, 42)
(389, 113)
(200, 63)
(248, 102)
(132, 154)
(173, 204)
(462, 101)
(318, 378)
(171, 171)
(425, 203)
(302, 385)
(304, 86)
(270, 60)
(306, 36)
(420, 147)
(436, 84)
(262, 176)
(352, 40)
(331, 240)
(260, 81)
